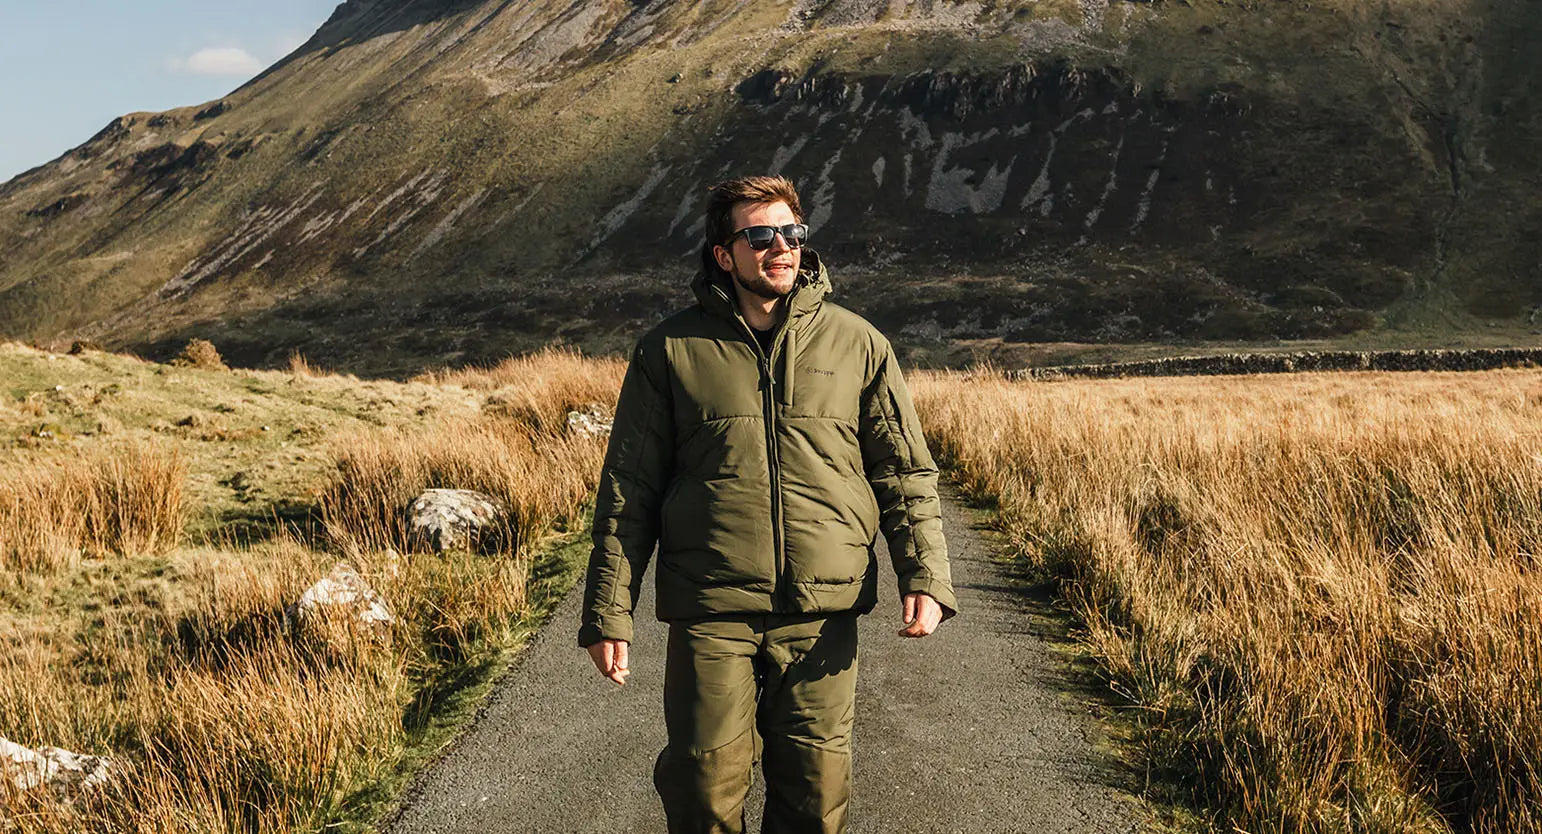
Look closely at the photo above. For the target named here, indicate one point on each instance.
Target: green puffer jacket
(764, 480)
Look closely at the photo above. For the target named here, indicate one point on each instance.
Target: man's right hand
(609, 657)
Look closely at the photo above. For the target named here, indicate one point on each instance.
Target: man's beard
(760, 287)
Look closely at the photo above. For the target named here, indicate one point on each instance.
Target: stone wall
(1484, 359)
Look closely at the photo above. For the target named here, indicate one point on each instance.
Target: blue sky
(68, 67)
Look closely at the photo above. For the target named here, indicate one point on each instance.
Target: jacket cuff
(614, 627)
(941, 591)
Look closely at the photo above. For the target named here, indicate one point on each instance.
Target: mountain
(430, 181)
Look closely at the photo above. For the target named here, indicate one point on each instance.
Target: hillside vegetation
(441, 181)
(1318, 592)
(159, 523)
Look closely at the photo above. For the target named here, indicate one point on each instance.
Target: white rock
(451, 518)
(592, 421)
(344, 588)
(65, 772)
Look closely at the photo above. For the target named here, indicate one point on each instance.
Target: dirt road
(975, 729)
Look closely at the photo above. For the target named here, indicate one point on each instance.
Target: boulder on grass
(448, 519)
(343, 591)
(590, 421)
(66, 774)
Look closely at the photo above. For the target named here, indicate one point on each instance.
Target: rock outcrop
(448, 519)
(344, 594)
(67, 774)
(590, 421)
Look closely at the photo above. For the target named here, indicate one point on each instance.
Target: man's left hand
(921, 614)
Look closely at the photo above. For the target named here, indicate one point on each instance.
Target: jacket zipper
(773, 459)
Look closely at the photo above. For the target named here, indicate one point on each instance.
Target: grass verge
(1318, 592)
(184, 658)
(445, 706)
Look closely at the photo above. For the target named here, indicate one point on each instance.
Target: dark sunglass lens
(760, 237)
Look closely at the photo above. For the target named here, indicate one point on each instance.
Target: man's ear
(725, 259)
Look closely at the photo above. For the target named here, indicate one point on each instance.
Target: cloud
(223, 61)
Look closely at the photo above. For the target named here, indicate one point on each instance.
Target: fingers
(922, 613)
(620, 666)
(913, 623)
(610, 657)
(598, 654)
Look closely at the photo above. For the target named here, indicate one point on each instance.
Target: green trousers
(792, 677)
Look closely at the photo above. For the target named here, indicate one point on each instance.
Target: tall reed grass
(228, 717)
(218, 720)
(539, 389)
(1322, 590)
(123, 501)
(539, 475)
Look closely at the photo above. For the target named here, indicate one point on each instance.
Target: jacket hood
(715, 293)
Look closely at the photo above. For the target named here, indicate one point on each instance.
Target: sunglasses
(761, 237)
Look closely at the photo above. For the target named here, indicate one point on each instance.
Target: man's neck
(759, 313)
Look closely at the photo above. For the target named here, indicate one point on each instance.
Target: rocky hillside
(432, 181)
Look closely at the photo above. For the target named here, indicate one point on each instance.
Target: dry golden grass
(299, 366)
(233, 728)
(1321, 590)
(118, 501)
(230, 714)
(542, 387)
(540, 476)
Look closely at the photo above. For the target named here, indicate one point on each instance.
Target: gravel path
(977, 728)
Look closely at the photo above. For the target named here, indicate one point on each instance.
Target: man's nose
(779, 243)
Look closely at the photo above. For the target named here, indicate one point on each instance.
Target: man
(763, 438)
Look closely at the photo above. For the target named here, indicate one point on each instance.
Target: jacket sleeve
(638, 461)
(904, 480)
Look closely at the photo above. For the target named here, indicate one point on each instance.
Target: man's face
(768, 273)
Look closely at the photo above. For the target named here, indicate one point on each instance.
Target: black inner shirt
(764, 337)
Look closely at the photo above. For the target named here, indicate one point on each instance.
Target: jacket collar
(716, 295)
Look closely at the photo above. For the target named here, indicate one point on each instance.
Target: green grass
(255, 441)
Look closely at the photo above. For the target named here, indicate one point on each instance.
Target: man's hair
(722, 198)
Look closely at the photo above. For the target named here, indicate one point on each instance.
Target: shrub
(200, 353)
